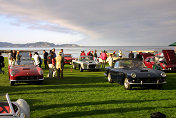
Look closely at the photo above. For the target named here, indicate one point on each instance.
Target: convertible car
(25, 72)
(18, 109)
(131, 73)
(86, 63)
(165, 60)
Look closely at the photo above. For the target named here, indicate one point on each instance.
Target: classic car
(166, 60)
(86, 63)
(132, 73)
(25, 72)
(68, 58)
(18, 109)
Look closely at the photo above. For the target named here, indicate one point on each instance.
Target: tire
(110, 79)
(80, 68)
(12, 83)
(74, 66)
(127, 86)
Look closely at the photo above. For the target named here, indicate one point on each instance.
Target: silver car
(18, 109)
(86, 63)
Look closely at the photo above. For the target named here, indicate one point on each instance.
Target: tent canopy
(173, 44)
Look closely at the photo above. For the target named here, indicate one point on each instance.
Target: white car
(86, 63)
(18, 109)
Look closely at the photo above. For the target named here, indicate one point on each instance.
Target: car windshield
(67, 56)
(26, 62)
(85, 58)
(130, 64)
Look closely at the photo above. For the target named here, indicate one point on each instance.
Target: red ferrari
(25, 72)
(68, 58)
(166, 60)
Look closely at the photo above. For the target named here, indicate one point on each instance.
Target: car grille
(92, 66)
(27, 78)
(68, 60)
(148, 80)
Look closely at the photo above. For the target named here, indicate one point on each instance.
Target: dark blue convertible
(132, 73)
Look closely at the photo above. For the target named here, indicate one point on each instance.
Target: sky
(89, 22)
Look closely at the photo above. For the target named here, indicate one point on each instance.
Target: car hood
(90, 62)
(143, 72)
(25, 70)
(145, 55)
(169, 56)
(68, 58)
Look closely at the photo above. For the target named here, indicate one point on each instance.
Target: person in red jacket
(103, 56)
(88, 54)
(83, 54)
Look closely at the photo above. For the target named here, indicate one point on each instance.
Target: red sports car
(25, 72)
(166, 60)
(68, 58)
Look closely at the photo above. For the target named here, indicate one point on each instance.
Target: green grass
(88, 94)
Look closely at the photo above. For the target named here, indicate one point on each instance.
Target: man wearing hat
(59, 67)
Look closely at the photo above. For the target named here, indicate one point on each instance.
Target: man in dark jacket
(45, 57)
(1, 63)
(131, 54)
(139, 56)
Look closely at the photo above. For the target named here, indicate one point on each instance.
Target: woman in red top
(103, 56)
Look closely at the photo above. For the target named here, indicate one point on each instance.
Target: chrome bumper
(27, 80)
(147, 83)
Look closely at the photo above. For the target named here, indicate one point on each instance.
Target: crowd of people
(108, 58)
(55, 62)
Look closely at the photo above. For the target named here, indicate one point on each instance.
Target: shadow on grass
(45, 107)
(97, 112)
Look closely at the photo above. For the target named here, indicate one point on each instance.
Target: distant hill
(173, 44)
(37, 44)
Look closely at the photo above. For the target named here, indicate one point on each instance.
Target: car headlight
(12, 73)
(163, 74)
(41, 72)
(133, 75)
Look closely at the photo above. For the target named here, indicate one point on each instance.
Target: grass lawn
(88, 94)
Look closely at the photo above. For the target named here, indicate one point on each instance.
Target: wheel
(127, 86)
(80, 68)
(12, 83)
(110, 79)
(74, 66)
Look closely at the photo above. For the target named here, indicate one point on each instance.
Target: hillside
(37, 44)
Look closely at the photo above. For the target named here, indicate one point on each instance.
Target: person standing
(45, 56)
(139, 56)
(131, 54)
(59, 65)
(103, 56)
(110, 60)
(62, 51)
(30, 55)
(13, 57)
(51, 65)
(120, 53)
(10, 57)
(1, 63)
(95, 55)
(54, 52)
(36, 59)
(18, 58)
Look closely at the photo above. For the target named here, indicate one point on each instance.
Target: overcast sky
(89, 22)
